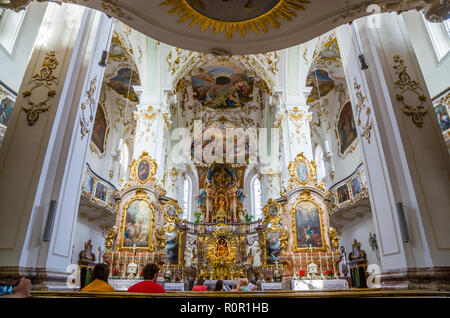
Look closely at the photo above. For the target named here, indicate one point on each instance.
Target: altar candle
(293, 262)
(125, 265)
(327, 257)
(153, 256)
(332, 256)
(300, 265)
(320, 260)
(146, 257)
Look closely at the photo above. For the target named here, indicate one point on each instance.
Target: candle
(300, 265)
(320, 261)
(332, 256)
(153, 256)
(293, 262)
(125, 266)
(327, 257)
(146, 257)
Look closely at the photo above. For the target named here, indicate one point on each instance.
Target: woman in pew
(99, 282)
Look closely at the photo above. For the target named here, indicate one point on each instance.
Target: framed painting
(88, 183)
(100, 130)
(137, 224)
(308, 227)
(301, 170)
(343, 193)
(272, 211)
(172, 247)
(273, 247)
(6, 107)
(346, 129)
(356, 185)
(442, 117)
(101, 191)
(143, 169)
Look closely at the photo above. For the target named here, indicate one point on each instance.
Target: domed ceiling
(243, 26)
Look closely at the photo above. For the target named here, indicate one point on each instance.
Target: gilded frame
(283, 241)
(140, 195)
(167, 217)
(305, 196)
(269, 218)
(93, 146)
(293, 169)
(354, 144)
(134, 166)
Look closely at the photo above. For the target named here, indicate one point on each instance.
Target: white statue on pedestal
(189, 251)
(255, 251)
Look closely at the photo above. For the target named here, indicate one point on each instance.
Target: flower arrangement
(302, 274)
(116, 272)
(329, 274)
(248, 218)
(177, 279)
(197, 216)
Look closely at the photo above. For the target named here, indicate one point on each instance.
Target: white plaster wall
(435, 73)
(13, 66)
(359, 229)
(87, 231)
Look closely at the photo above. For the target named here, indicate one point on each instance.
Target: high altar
(292, 242)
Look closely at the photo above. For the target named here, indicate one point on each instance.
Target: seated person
(20, 289)
(253, 284)
(243, 285)
(99, 281)
(149, 285)
(219, 285)
(200, 286)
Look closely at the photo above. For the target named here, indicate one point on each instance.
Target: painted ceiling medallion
(232, 16)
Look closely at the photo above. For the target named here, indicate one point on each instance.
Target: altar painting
(172, 247)
(137, 224)
(308, 225)
(273, 247)
(346, 128)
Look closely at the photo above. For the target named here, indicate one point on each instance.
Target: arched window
(10, 24)
(124, 158)
(320, 162)
(440, 37)
(256, 198)
(186, 199)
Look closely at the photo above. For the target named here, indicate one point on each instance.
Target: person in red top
(200, 286)
(149, 285)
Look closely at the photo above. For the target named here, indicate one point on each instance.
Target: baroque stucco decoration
(154, 20)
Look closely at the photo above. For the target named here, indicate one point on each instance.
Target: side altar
(292, 242)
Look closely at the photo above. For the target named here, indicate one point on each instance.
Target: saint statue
(254, 252)
(222, 248)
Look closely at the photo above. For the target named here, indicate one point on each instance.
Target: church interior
(300, 144)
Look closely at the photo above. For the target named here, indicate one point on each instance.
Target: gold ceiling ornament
(46, 79)
(143, 169)
(405, 84)
(285, 10)
(361, 107)
(89, 102)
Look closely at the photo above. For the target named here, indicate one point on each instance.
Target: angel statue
(254, 253)
(109, 237)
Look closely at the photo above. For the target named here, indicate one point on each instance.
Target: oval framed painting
(273, 210)
(143, 171)
(302, 172)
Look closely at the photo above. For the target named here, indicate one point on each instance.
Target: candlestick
(300, 265)
(293, 262)
(320, 261)
(153, 256)
(146, 257)
(334, 269)
(112, 262)
(125, 266)
(327, 257)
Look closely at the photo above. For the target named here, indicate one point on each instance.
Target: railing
(209, 228)
(349, 190)
(99, 191)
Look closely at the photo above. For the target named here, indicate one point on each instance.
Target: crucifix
(134, 251)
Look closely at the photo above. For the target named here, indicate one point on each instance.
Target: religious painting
(172, 246)
(137, 224)
(123, 83)
(273, 210)
(330, 51)
(343, 193)
(356, 185)
(143, 171)
(308, 225)
(100, 191)
(233, 10)
(172, 209)
(88, 183)
(233, 149)
(273, 247)
(442, 117)
(99, 133)
(222, 86)
(6, 107)
(322, 85)
(346, 128)
(302, 172)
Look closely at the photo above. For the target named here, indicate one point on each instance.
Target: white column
(43, 158)
(406, 159)
(298, 120)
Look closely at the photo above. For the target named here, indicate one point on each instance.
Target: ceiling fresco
(322, 85)
(233, 10)
(222, 85)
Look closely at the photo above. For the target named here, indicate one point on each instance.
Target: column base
(42, 279)
(433, 278)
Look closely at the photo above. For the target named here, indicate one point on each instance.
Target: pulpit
(358, 266)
